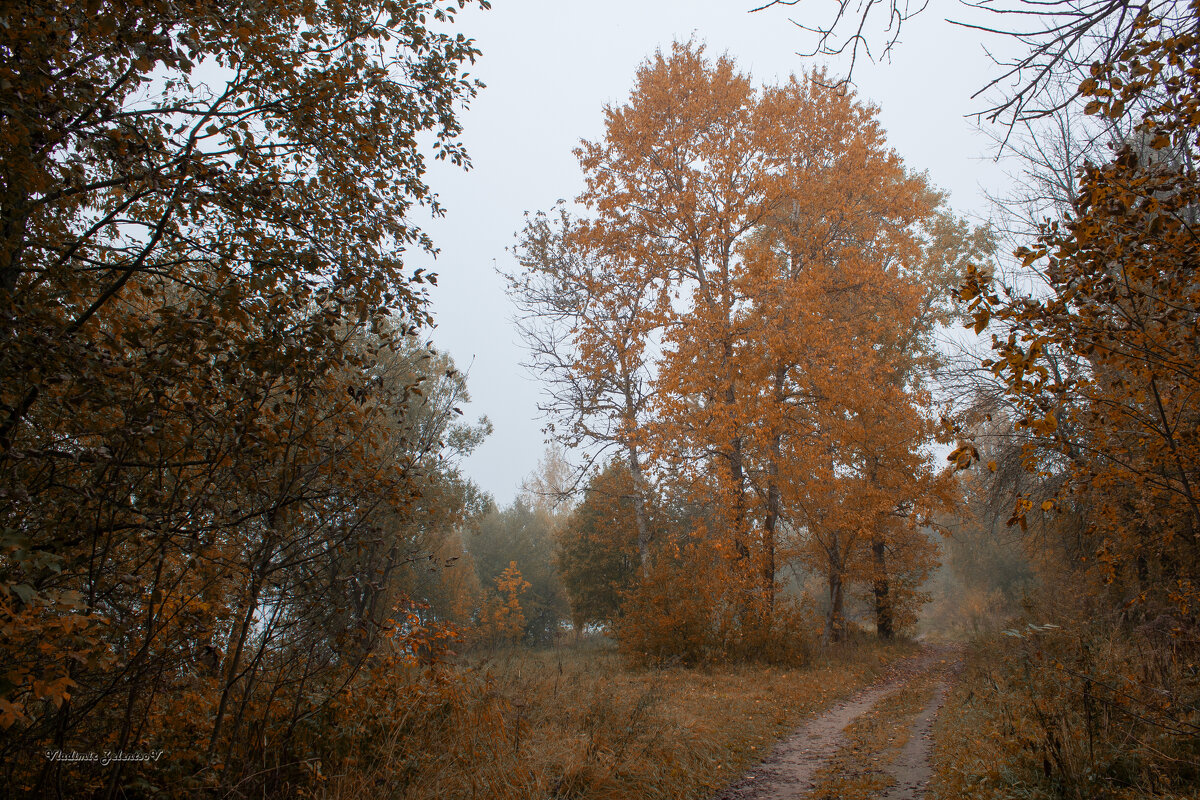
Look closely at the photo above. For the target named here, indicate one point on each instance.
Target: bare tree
(1059, 39)
(586, 333)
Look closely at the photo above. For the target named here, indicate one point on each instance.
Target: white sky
(550, 67)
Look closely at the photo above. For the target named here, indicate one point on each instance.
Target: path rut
(788, 773)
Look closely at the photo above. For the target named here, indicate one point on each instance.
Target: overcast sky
(551, 66)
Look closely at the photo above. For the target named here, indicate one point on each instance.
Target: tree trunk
(884, 617)
(230, 674)
(769, 524)
(735, 455)
(835, 623)
(774, 503)
(639, 510)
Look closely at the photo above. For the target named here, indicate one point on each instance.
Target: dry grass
(1081, 711)
(576, 722)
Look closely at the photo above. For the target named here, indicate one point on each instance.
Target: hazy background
(551, 67)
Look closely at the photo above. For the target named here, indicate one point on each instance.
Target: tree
(597, 548)
(550, 486)
(787, 242)
(522, 535)
(677, 181)
(203, 225)
(501, 616)
(1122, 299)
(586, 320)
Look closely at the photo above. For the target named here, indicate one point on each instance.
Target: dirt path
(911, 769)
(789, 771)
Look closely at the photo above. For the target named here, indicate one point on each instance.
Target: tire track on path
(788, 772)
(911, 770)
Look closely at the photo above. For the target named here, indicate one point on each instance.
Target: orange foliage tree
(787, 253)
(501, 618)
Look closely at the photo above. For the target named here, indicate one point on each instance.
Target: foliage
(785, 267)
(686, 610)
(1122, 299)
(596, 550)
(523, 536)
(214, 455)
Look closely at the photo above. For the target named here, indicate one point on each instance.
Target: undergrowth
(1087, 707)
(578, 722)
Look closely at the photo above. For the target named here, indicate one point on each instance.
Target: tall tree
(788, 242)
(678, 180)
(587, 319)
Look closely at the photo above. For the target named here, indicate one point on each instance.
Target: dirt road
(836, 746)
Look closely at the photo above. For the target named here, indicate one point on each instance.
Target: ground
(874, 745)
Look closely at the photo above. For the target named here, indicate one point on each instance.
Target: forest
(845, 493)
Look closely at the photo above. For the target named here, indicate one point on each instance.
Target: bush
(687, 612)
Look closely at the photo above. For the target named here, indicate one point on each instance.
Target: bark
(835, 622)
(639, 509)
(736, 466)
(774, 502)
(884, 613)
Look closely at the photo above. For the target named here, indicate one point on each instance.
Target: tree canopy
(214, 456)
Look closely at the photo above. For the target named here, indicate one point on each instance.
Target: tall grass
(1087, 707)
(577, 722)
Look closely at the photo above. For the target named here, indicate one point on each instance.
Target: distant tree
(522, 535)
(597, 547)
(551, 486)
(502, 618)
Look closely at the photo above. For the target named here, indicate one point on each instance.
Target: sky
(551, 66)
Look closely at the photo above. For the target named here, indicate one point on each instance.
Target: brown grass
(1079, 711)
(576, 722)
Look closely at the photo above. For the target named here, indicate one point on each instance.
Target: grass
(1077, 711)
(576, 722)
